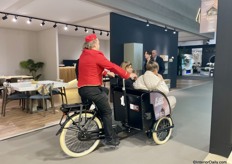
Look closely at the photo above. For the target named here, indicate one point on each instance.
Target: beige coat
(149, 81)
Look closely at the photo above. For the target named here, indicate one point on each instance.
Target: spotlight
(42, 24)
(29, 21)
(14, 19)
(76, 28)
(4, 17)
(65, 27)
(107, 34)
(93, 31)
(148, 24)
(86, 30)
(100, 32)
(54, 26)
(174, 32)
(166, 29)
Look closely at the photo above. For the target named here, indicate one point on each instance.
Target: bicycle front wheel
(69, 141)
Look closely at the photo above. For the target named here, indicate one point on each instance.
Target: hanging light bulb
(93, 31)
(76, 28)
(100, 32)
(107, 34)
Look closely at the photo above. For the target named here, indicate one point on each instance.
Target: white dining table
(33, 86)
(16, 76)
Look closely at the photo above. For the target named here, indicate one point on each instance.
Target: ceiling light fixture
(148, 24)
(65, 27)
(14, 19)
(42, 24)
(174, 32)
(43, 21)
(86, 31)
(4, 17)
(54, 26)
(29, 21)
(166, 29)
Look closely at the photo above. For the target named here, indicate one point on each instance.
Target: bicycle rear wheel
(162, 126)
(69, 141)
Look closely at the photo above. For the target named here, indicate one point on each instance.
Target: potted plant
(33, 67)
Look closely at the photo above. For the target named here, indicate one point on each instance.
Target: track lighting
(148, 24)
(43, 21)
(42, 24)
(4, 17)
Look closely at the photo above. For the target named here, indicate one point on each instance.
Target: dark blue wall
(127, 30)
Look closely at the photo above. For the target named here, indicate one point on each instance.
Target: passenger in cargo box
(152, 80)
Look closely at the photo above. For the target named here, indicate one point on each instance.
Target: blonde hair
(89, 45)
(152, 65)
(125, 64)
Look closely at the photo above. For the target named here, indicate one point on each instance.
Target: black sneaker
(113, 142)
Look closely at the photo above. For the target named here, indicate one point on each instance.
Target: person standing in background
(148, 57)
(160, 62)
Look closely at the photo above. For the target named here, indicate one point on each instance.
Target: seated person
(151, 81)
(127, 66)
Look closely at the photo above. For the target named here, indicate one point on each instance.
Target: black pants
(98, 95)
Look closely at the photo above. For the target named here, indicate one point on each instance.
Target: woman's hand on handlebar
(133, 76)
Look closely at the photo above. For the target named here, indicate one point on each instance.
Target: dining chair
(62, 92)
(10, 95)
(44, 93)
(1, 86)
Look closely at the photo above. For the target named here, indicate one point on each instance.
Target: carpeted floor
(189, 141)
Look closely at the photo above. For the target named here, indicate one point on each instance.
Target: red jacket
(91, 65)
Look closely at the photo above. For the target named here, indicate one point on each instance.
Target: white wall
(48, 53)
(70, 47)
(15, 46)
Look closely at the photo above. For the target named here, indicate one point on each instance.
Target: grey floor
(189, 141)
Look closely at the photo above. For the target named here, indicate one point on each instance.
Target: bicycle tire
(163, 136)
(69, 141)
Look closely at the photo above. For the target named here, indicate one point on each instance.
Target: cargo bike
(81, 128)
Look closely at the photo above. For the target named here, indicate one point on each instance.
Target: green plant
(32, 67)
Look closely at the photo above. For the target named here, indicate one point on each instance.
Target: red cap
(90, 37)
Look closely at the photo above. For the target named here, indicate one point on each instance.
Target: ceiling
(79, 12)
